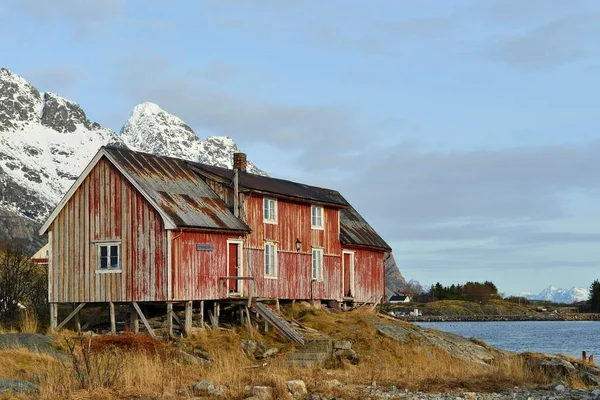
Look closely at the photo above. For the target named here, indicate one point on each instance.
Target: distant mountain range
(556, 295)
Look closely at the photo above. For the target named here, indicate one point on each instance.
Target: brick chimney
(239, 161)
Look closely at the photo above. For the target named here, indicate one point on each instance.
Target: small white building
(400, 298)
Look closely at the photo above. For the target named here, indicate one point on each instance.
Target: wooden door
(233, 267)
(347, 272)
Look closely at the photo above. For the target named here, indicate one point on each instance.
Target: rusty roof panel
(277, 186)
(355, 230)
(179, 192)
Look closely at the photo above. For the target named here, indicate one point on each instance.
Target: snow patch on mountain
(556, 295)
(153, 130)
(46, 141)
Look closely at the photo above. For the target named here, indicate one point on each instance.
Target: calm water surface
(559, 337)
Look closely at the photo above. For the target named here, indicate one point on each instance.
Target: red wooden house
(140, 228)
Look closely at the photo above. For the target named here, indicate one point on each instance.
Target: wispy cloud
(557, 42)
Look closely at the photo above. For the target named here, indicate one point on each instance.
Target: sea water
(554, 337)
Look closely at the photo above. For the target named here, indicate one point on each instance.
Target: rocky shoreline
(491, 318)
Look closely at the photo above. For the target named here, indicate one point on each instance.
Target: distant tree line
(470, 291)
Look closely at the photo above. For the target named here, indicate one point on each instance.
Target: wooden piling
(592, 359)
(202, 314)
(584, 356)
(134, 324)
(188, 317)
(113, 322)
(53, 316)
(170, 319)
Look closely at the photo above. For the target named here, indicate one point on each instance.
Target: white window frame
(273, 270)
(108, 269)
(317, 264)
(313, 216)
(270, 220)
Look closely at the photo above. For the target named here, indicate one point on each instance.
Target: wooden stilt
(170, 319)
(266, 326)
(73, 313)
(188, 317)
(277, 305)
(249, 320)
(53, 317)
(217, 313)
(77, 323)
(113, 322)
(144, 320)
(202, 314)
(134, 324)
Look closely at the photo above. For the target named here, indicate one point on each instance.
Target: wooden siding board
(107, 207)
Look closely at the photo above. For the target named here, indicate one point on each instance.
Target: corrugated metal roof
(176, 190)
(355, 230)
(278, 186)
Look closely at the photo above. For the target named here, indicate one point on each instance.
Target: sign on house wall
(204, 247)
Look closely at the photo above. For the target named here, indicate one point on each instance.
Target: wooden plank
(283, 326)
(113, 323)
(135, 321)
(75, 311)
(144, 320)
(202, 314)
(170, 319)
(188, 317)
(53, 316)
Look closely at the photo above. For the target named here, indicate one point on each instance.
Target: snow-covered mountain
(556, 295)
(153, 130)
(46, 141)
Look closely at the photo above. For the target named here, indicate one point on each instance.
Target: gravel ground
(556, 393)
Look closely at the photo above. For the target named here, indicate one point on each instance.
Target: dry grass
(153, 370)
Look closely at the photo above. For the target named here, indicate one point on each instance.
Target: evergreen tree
(594, 300)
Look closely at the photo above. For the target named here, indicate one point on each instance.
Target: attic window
(316, 217)
(109, 257)
(269, 210)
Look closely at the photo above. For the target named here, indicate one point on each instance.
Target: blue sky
(465, 131)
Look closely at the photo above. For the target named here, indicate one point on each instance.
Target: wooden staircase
(279, 323)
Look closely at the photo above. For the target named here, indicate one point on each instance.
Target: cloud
(469, 195)
(311, 129)
(557, 42)
(83, 16)
(519, 12)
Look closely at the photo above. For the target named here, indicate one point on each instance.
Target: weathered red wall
(196, 273)
(369, 275)
(106, 207)
(294, 280)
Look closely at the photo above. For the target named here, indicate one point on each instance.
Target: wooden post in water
(584, 356)
(592, 359)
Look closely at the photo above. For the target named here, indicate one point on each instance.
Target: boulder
(203, 387)
(347, 354)
(249, 347)
(297, 388)
(17, 387)
(262, 392)
(190, 359)
(342, 345)
(268, 353)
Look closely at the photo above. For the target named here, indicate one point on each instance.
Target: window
(317, 264)
(270, 260)
(109, 257)
(317, 217)
(269, 210)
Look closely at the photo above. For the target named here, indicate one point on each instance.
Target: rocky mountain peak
(64, 115)
(20, 102)
(153, 130)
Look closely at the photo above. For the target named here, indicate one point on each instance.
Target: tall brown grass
(145, 368)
